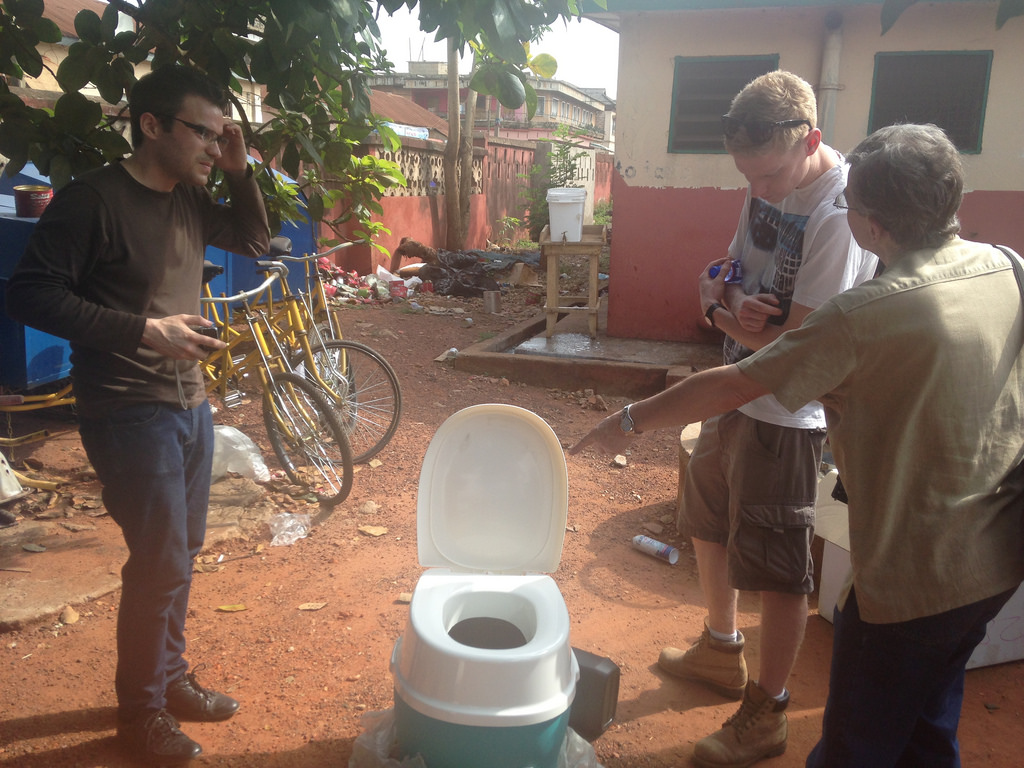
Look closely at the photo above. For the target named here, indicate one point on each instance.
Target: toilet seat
(491, 514)
(542, 672)
(493, 493)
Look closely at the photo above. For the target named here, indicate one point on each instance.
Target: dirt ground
(305, 678)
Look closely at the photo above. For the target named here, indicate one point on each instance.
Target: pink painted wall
(662, 239)
(604, 170)
(665, 236)
(994, 217)
(422, 217)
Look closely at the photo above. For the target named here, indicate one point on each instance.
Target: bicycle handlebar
(328, 252)
(276, 271)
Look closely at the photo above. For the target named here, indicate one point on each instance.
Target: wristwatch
(626, 422)
(709, 315)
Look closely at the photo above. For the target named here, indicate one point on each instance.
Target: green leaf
(108, 24)
(74, 72)
(123, 42)
(544, 65)
(74, 113)
(88, 27)
(60, 171)
(28, 8)
(510, 91)
(315, 206)
(311, 150)
(47, 31)
(113, 145)
(290, 160)
(531, 101)
(29, 60)
(109, 84)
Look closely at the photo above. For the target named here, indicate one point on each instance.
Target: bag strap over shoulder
(1018, 266)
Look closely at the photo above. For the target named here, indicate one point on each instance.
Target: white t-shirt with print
(801, 251)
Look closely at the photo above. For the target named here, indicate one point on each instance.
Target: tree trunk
(466, 166)
(455, 230)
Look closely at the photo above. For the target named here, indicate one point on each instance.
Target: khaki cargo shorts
(751, 486)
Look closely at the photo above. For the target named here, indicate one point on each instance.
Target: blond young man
(751, 484)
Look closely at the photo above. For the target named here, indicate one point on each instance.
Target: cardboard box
(1004, 640)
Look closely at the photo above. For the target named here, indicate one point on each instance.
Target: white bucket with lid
(565, 211)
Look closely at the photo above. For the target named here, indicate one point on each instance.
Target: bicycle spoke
(364, 390)
(310, 443)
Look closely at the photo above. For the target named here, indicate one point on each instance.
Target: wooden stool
(592, 243)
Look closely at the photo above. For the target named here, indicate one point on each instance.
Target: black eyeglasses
(758, 131)
(205, 135)
(841, 202)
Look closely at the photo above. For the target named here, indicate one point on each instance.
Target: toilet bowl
(484, 669)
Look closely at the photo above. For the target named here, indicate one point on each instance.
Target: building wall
(676, 212)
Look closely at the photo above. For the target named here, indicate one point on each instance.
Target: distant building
(588, 111)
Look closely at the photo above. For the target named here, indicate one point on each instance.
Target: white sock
(724, 638)
(780, 697)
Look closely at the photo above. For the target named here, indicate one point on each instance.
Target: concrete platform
(571, 360)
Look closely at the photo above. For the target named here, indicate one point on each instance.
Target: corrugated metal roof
(399, 109)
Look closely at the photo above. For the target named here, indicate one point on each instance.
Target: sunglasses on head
(758, 131)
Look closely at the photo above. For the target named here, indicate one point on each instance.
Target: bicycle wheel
(308, 439)
(364, 387)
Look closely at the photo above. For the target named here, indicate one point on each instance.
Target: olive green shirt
(922, 378)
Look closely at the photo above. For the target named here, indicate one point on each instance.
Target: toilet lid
(493, 493)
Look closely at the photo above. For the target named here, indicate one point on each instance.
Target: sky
(587, 53)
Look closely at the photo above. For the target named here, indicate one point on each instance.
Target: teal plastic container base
(448, 745)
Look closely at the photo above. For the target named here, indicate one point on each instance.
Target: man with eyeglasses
(920, 371)
(751, 483)
(115, 265)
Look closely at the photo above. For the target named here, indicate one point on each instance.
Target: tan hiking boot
(758, 730)
(718, 665)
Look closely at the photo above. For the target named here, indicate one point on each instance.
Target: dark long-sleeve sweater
(109, 252)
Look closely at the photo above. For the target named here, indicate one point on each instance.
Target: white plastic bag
(372, 747)
(385, 276)
(287, 528)
(234, 451)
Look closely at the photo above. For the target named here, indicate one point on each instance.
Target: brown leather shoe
(718, 665)
(155, 739)
(759, 729)
(188, 700)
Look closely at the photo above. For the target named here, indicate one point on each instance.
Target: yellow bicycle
(358, 382)
(304, 430)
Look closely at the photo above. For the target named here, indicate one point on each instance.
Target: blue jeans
(895, 690)
(154, 462)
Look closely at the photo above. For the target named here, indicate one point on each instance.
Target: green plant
(507, 226)
(603, 213)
